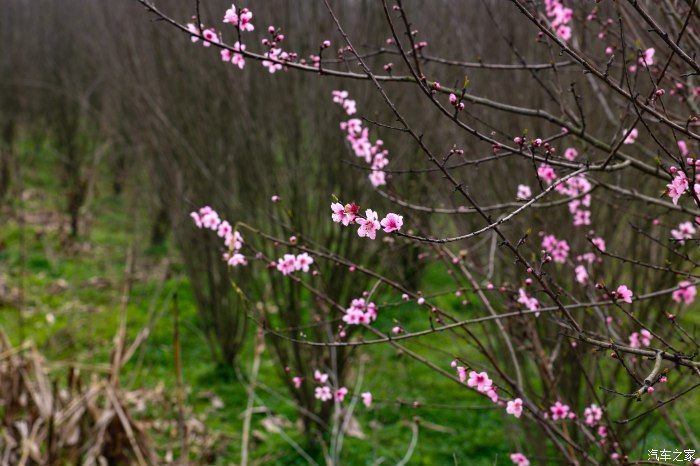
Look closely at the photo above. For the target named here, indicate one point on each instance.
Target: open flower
(323, 393)
(624, 294)
(479, 380)
(392, 222)
(368, 225)
(519, 459)
(515, 407)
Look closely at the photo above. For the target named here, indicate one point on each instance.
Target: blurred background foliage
(113, 128)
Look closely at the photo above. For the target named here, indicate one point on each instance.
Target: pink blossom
(296, 381)
(582, 217)
(559, 411)
(683, 231)
(224, 229)
(647, 57)
(210, 37)
(274, 55)
(339, 96)
(524, 192)
(368, 225)
(480, 380)
(581, 274)
(519, 459)
(492, 394)
(570, 154)
(677, 187)
(564, 32)
(303, 261)
(683, 147)
(599, 243)
(632, 136)
(234, 241)
(528, 301)
(206, 217)
(237, 58)
(515, 407)
(344, 214)
(239, 18)
(287, 264)
(623, 293)
(593, 414)
(392, 222)
(320, 377)
(323, 393)
(350, 106)
(560, 16)
(634, 340)
(559, 249)
(461, 373)
(377, 178)
(367, 399)
(358, 137)
(685, 293)
(340, 394)
(235, 259)
(546, 173)
(194, 30)
(360, 312)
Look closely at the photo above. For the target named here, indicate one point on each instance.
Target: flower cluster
(341, 98)
(641, 338)
(592, 414)
(360, 312)
(683, 231)
(558, 249)
(240, 18)
(685, 293)
(208, 218)
(290, 263)
(324, 392)
(276, 57)
(560, 16)
(234, 58)
(679, 185)
(358, 137)
(528, 301)
(479, 381)
(348, 214)
(209, 34)
(577, 187)
(561, 411)
(546, 173)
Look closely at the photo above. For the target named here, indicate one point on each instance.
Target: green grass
(80, 283)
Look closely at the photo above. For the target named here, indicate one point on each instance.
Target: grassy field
(71, 300)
